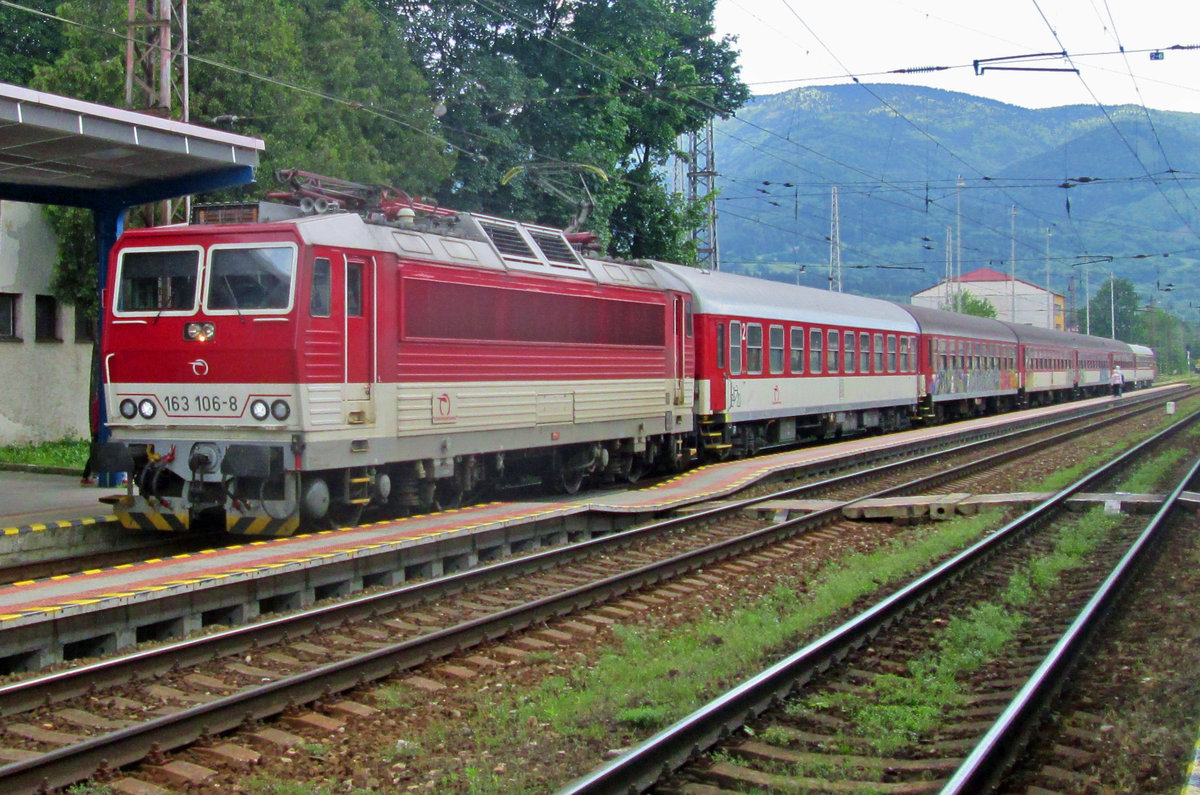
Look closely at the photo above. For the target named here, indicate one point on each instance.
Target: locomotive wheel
(569, 481)
(637, 468)
(344, 515)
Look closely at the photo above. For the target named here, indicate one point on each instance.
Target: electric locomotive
(269, 374)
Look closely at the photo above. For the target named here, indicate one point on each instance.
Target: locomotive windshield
(242, 279)
(158, 281)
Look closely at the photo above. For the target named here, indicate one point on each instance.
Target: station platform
(24, 494)
(32, 501)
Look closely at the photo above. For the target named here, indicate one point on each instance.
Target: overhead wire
(1112, 122)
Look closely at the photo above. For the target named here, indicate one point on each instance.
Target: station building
(1015, 300)
(45, 347)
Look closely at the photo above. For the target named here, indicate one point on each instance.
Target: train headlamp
(128, 409)
(199, 331)
(259, 410)
(147, 409)
(280, 410)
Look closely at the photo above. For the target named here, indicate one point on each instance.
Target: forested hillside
(1120, 186)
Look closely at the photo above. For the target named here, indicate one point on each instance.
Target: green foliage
(1116, 300)
(643, 718)
(964, 302)
(564, 92)
(27, 41)
(75, 270)
(64, 454)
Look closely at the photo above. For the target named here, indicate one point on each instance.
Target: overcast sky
(789, 43)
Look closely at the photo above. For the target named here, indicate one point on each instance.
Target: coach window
(796, 353)
(322, 288)
(720, 346)
(904, 354)
(776, 349)
(832, 355)
(877, 347)
(735, 347)
(864, 353)
(754, 348)
(814, 350)
(848, 352)
(891, 363)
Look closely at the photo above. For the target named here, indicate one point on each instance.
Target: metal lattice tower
(156, 71)
(702, 182)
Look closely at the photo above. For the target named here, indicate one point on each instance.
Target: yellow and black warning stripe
(261, 525)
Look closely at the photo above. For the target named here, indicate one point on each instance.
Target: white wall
(1028, 300)
(43, 384)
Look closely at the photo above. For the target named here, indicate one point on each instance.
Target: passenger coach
(778, 362)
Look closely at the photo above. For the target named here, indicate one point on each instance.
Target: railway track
(845, 712)
(94, 717)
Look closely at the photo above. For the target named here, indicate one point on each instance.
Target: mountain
(1119, 184)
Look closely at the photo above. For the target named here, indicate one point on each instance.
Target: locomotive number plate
(201, 405)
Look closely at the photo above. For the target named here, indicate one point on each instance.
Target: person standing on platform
(1117, 381)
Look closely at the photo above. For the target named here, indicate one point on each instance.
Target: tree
(328, 85)
(966, 303)
(27, 40)
(564, 90)
(1117, 299)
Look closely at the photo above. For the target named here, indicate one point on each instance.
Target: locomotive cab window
(157, 281)
(244, 279)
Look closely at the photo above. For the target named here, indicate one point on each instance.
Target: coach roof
(955, 324)
(719, 293)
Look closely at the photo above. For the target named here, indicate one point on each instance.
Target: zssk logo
(199, 367)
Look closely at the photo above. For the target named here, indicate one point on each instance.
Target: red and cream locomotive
(271, 374)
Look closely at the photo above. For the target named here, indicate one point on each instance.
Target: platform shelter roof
(59, 150)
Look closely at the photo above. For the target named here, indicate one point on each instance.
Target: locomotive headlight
(280, 410)
(199, 332)
(259, 410)
(128, 409)
(147, 409)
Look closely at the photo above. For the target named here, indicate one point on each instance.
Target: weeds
(64, 453)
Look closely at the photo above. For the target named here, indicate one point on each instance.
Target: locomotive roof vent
(523, 245)
(508, 240)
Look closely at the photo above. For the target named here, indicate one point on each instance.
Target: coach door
(682, 330)
(359, 338)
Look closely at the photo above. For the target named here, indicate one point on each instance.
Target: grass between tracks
(893, 712)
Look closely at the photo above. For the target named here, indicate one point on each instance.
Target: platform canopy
(58, 150)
